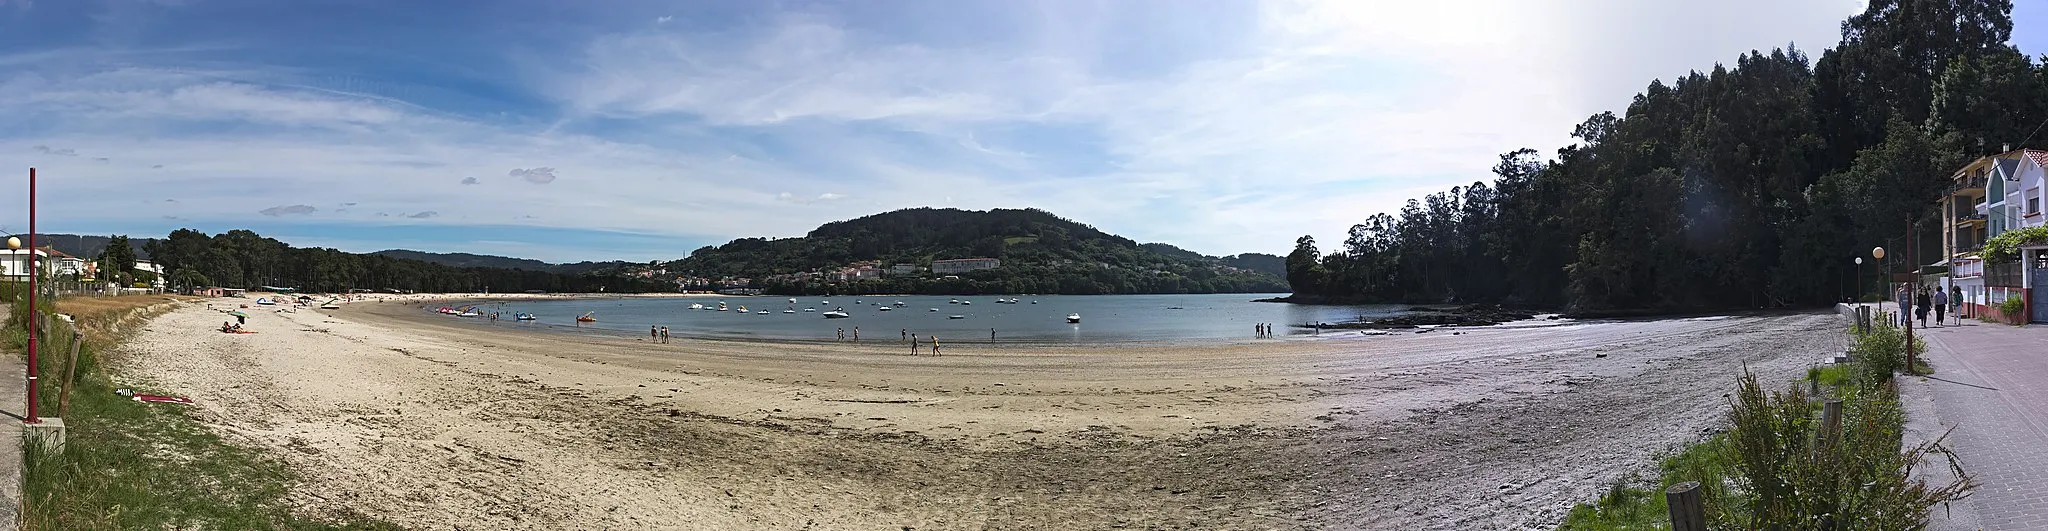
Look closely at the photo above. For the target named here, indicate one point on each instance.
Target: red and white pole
(34, 270)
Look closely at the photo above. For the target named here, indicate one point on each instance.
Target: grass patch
(131, 465)
(1627, 507)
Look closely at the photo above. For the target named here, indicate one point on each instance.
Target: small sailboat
(743, 308)
(586, 318)
(721, 306)
(1073, 318)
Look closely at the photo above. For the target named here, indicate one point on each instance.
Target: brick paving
(1990, 384)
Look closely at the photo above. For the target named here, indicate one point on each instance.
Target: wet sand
(433, 422)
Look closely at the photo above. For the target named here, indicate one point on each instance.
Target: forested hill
(497, 262)
(244, 259)
(1743, 186)
(1040, 253)
(87, 246)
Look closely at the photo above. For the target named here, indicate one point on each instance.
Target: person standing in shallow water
(653, 333)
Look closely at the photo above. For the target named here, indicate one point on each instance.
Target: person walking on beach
(653, 333)
(991, 335)
(913, 345)
(664, 334)
(856, 333)
(935, 344)
(842, 334)
(903, 334)
(1940, 306)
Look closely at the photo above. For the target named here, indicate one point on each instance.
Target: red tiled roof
(2039, 157)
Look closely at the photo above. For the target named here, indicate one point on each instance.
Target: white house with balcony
(2003, 192)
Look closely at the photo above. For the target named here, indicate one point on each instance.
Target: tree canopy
(1738, 187)
(240, 258)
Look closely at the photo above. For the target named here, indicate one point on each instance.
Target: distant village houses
(963, 265)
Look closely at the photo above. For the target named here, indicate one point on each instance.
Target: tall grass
(131, 465)
(1777, 468)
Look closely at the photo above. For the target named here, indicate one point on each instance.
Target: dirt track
(436, 423)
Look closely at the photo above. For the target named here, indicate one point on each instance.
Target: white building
(1990, 196)
(964, 265)
(14, 263)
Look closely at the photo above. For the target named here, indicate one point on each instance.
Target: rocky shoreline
(1418, 316)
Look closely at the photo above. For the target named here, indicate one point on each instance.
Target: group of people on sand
(1942, 303)
(658, 334)
(1262, 330)
(934, 341)
(230, 328)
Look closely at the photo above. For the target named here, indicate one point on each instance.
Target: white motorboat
(789, 311)
(884, 309)
(808, 310)
(837, 314)
(762, 312)
(1073, 318)
(965, 303)
(696, 306)
(900, 304)
(792, 300)
(935, 309)
(721, 306)
(954, 301)
(956, 317)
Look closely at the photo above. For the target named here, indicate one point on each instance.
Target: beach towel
(161, 399)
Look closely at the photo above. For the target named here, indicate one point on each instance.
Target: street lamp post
(1859, 279)
(31, 417)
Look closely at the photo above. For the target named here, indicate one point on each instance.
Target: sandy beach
(435, 423)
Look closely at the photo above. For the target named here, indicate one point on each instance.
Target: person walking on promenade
(1905, 298)
(1955, 302)
(1920, 307)
(1940, 306)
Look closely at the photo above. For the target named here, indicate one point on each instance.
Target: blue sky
(637, 130)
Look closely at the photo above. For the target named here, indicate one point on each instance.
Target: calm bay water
(1104, 318)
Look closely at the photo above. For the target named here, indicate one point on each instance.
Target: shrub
(1879, 352)
(1856, 479)
(2013, 307)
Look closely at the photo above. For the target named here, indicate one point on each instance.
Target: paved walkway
(13, 398)
(1990, 385)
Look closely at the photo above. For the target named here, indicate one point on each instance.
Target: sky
(641, 130)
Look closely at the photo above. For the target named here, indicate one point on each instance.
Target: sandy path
(435, 422)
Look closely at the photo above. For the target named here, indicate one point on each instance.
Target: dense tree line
(1040, 253)
(243, 259)
(1740, 187)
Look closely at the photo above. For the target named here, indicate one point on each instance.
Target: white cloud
(663, 19)
(534, 175)
(291, 210)
(1325, 112)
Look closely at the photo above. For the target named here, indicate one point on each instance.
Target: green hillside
(1040, 253)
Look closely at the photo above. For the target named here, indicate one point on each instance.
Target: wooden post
(71, 365)
(1688, 513)
(1830, 423)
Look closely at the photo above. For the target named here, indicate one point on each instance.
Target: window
(2034, 201)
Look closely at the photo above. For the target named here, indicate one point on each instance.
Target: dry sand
(437, 423)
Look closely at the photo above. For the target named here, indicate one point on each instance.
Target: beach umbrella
(238, 313)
